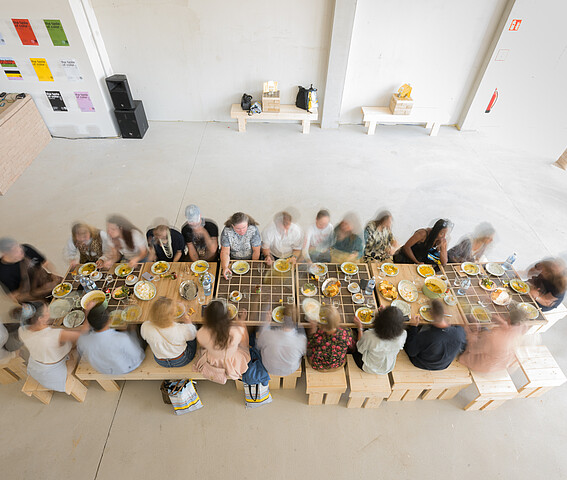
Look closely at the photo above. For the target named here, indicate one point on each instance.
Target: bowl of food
(123, 270)
(74, 319)
(61, 290)
(470, 268)
(278, 314)
(96, 296)
(318, 269)
(425, 313)
(495, 269)
(434, 287)
(240, 267)
(331, 287)
(501, 297)
(387, 290)
(390, 269)
(364, 314)
(120, 293)
(232, 310)
(481, 314)
(309, 289)
(487, 284)
(235, 296)
(529, 309)
(353, 287)
(145, 290)
(87, 268)
(519, 286)
(96, 275)
(349, 268)
(131, 280)
(408, 291)
(131, 313)
(59, 308)
(282, 265)
(358, 297)
(159, 268)
(200, 266)
(311, 308)
(179, 310)
(116, 318)
(403, 306)
(425, 270)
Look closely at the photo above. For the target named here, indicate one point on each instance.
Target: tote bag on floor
(256, 395)
(184, 398)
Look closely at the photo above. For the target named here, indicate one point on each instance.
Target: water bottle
(509, 261)
(370, 286)
(207, 285)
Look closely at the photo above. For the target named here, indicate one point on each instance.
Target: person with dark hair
(435, 346)
(109, 351)
(379, 240)
(426, 245)
(128, 242)
(282, 239)
(347, 243)
(377, 348)
(224, 343)
(549, 283)
(165, 244)
(49, 347)
(472, 247)
(240, 240)
(87, 244)
(318, 239)
(201, 235)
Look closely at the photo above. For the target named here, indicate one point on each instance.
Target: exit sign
(515, 25)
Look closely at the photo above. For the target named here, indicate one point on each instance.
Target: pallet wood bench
(540, 369)
(287, 112)
(432, 117)
(552, 317)
(13, 370)
(494, 389)
(366, 390)
(324, 387)
(278, 382)
(410, 382)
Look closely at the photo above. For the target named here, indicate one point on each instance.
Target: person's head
(517, 315)
(554, 271)
(31, 314)
(217, 321)
(282, 221)
(484, 234)
(98, 318)
(384, 220)
(438, 232)
(193, 215)
(119, 227)
(240, 222)
(350, 224)
(82, 233)
(289, 319)
(10, 250)
(331, 317)
(438, 313)
(322, 219)
(388, 323)
(161, 313)
(161, 232)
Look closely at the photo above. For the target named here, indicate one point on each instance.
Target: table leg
(371, 128)
(289, 383)
(476, 404)
(412, 395)
(435, 129)
(274, 383)
(373, 402)
(109, 385)
(315, 399)
(450, 393)
(7, 377)
(241, 124)
(355, 402)
(433, 394)
(306, 125)
(332, 398)
(396, 395)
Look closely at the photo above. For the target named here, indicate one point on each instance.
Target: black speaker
(132, 123)
(120, 92)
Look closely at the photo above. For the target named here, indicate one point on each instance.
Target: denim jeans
(182, 360)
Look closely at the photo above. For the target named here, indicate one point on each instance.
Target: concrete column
(341, 35)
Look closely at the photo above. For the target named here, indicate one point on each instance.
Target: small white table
(431, 116)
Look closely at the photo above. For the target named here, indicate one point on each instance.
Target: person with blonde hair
(165, 244)
(128, 242)
(87, 244)
(173, 344)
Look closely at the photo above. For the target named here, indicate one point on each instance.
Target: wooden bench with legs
(278, 382)
(552, 317)
(324, 387)
(13, 370)
(540, 370)
(287, 112)
(494, 388)
(432, 117)
(366, 390)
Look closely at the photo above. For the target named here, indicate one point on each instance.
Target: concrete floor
(131, 434)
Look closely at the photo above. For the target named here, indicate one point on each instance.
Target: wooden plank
(287, 112)
(360, 381)
(315, 399)
(7, 377)
(417, 115)
(355, 402)
(332, 398)
(433, 394)
(373, 402)
(396, 395)
(325, 381)
(412, 395)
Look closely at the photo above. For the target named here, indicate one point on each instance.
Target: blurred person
(318, 239)
(201, 236)
(282, 348)
(426, 245)
(25, 274)
(87, 244)
(548, 279)
(327, 343)
(224, 343)
(282, 239)
(107, 350)
(240, 240)
(48, 347)
(165, 244)
(128, 242)
(347, 243)
(434, 346)
(377, 348)
(473, 247)
(5, 354)
(173, 344)
(379, 240)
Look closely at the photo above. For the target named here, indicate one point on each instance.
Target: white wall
(190, 59)
(437, 46)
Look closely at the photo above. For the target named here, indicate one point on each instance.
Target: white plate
(327, 283)
(311, 308)
(318, 269)
(501, 297)
(131, 317)
(87, 268)
(64, 294)
(495, 269)
(278, 314)
(311, 293)
(96, 275)
(74, 319)
(92, 295)
(425, 313)
(361, 310)
(530, 310)
(408, 291)
(162, 266)
(240, 267)
(179, 310)
(475, 269)
(358, 298)
(123, 270)
(116, 319)
(144, 285)
(282, 265)
(353, 287)
(481, 314)
(403, 306)
(59, 308)
(235, 296)
(354, 268)
(494, 286)
(450, 299)
(133, 281)
(200, 266)
(386, 265)
(232, 310)
(515, 285)
(429, 271)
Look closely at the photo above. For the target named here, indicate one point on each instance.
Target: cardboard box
(271, 102)
(400, 106)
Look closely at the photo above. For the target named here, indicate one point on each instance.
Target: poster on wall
(56, 101)
(25, 31)
(84, 101)
(10, 68)
(2, 41)
(71, 70)
(42, 69)
(56, 32)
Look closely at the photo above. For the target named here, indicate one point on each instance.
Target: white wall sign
(71, 70)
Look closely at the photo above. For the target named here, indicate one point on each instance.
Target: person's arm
(358, 324)
(71, 254)
(72, 335)
(545, 300)
(255, 253)
(312, 327)
(412, 344)
(306, 242)
(177, 256)
(295, 256)
(443, 251)
(225, 260)
(152, 257)
(267, 255)
(141, 255)
(419, 236)
(393, 244)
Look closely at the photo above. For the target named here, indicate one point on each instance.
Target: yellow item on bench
(404, 91)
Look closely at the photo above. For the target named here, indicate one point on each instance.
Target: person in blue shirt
(109, 351)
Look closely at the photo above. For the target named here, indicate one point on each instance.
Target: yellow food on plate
(434, 287)
(123, 269)
(333, 289)
(200, 266)
(160, 267)
(364, 315)
(425, 313)
(232, 310)
(282, 265)
(519, 286)
(387, 290)
(470, 268)
(425, 270)
(132, 313)
(481, 314)
(390, 269)
(62, 289)
(349, 268)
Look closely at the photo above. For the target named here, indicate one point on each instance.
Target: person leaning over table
(25, 274)
(240, 240)
(549, 282)
(282, 239)
(347, 243)
(165, 244)
(128, 243)
(434, 346)
(87, 244)
(173, 344)
(201, 236)
(473, 247)
(318, 239)
(377, 348)
(379, 240)
(426, 245)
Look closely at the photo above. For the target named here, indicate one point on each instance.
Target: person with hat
(201, 235)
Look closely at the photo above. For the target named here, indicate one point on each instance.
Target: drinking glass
(465, 284)
(290, 300)
(201, 298)
(457, 282)
(229, 275)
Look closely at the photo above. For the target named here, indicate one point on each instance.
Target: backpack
(246, 101)
(307, 98)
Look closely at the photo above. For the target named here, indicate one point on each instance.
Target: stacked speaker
(129, 113)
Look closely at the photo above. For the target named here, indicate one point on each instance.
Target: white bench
(287, 112)
(432, 117)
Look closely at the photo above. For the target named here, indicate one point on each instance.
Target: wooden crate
(400, 106)
(271, 102)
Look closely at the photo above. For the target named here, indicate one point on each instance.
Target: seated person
(165, 244)
(318, 239)
(347, 243)
(379, 240)
(200, 235)
(127, 242)
(327, 343)
(173, 344)
(24, 272)
(240, 240)
(87, 244)
(434, 346)
(549, 283)
(48, 346)
(224, 342)
(281, 348)
(426, 245)
(109, 351)
(473, 247)
(377, 348)
(282, 239)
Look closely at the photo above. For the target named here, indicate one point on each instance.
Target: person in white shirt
(282, 239)
(128, 242)
(281, 348)
(318, 239)
(86, 244)
(173, 344)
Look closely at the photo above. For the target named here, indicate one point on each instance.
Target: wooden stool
(324, 387)
(494, 388)
(366, 390)
(276, 382)
(13, 370)
(540, 369)
(410, 382)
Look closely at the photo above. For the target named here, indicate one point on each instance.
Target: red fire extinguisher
(492, 101)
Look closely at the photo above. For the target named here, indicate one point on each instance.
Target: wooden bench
(552, 317)
(410, 382)
(276, 382)
(494, 388)
(432, 117)
(13, 370)
(540, 369)
(366, 390)
(324, 387)
(287, 112)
